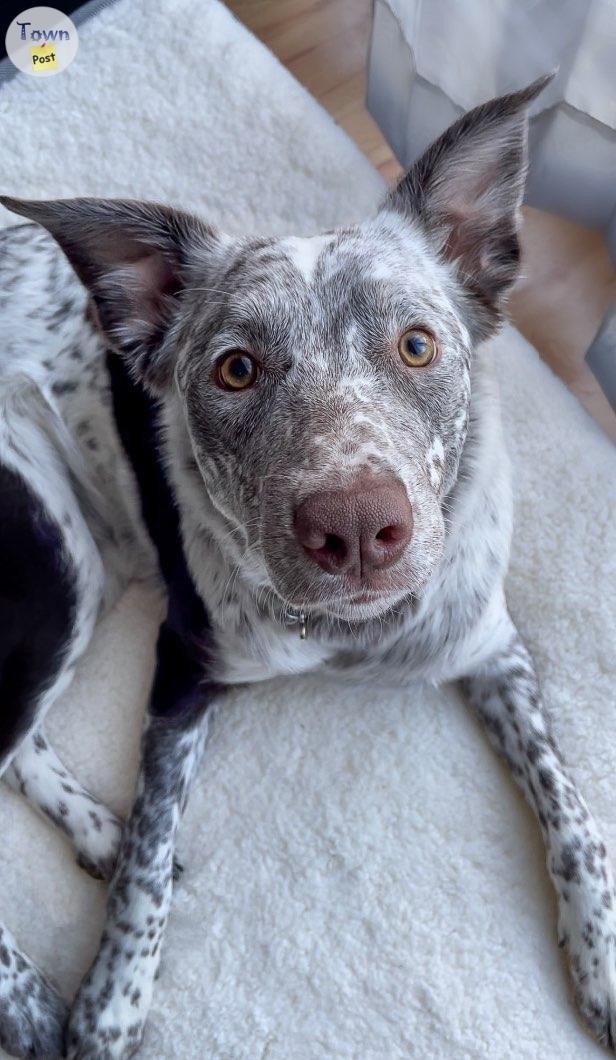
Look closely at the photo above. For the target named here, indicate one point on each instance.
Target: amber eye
(236, 371)
(417, 348)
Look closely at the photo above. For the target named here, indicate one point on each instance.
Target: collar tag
(299, 618)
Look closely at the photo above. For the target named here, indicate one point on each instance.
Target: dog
(301, 438)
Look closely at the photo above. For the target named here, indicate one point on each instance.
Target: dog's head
(325, 382)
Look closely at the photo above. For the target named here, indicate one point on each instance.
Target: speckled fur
(37, 773)
(32, 1014)
(323, 316)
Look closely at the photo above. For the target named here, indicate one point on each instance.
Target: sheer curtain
(432, 59)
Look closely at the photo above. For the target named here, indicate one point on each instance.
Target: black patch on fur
(185, 640)
(37, 605)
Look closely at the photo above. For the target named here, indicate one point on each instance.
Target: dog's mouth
(357, 603)
(363, 607)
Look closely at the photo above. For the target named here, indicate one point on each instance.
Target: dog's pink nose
(358, 530)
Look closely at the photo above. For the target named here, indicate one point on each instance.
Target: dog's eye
(417, 348)
(236, 371)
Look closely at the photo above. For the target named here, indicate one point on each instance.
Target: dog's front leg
(109, 1013)
(505, 694)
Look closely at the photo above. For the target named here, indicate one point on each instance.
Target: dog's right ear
(134, 258)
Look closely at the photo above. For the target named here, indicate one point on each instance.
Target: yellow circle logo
(42, 41)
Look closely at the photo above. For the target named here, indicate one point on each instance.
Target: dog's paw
(109, 1013)
(98, 870)
(591, 947)
(594, 980)
(32, 1014)
(98, 844)
(110, 1031)
(103, 1042)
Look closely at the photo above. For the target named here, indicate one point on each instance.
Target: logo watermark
(42, 41)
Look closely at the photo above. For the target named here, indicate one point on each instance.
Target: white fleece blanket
(363, 880)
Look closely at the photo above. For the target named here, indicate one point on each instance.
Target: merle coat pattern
(177, 399)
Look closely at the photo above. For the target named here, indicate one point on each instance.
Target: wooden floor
(568, 280)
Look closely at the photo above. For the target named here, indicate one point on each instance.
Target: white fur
(334, 825)
(37, 773)
(305, 253)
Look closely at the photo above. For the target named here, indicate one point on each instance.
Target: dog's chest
(251, 643)
(259, 651)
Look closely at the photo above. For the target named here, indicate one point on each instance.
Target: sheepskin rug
(362, 879)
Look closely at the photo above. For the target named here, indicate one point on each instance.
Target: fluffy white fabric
(362, 879)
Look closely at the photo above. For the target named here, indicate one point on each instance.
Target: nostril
(334, 546)
(331, 553)
(390, 534)
(385, 546)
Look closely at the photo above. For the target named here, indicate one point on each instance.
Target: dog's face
(325, 382)
(326, 390)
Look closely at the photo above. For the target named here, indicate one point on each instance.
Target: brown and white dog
(303, 436)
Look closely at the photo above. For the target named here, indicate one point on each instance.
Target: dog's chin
(361, 605)
(363, 608)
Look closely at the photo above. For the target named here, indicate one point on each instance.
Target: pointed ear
(467, 189)
(134, 258)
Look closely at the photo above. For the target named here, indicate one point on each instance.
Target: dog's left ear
(466, 190)
(135, 258)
